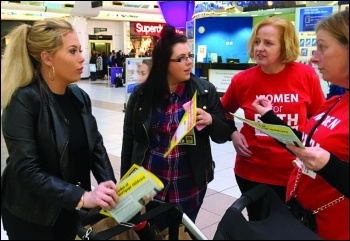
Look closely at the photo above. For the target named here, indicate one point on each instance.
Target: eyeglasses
(184, 58)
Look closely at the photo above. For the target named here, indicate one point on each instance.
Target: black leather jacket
(36, 183)
(134, 151)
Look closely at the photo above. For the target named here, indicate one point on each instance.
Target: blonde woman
(51, 136)
(296, 92)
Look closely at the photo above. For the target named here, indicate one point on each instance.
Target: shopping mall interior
(113, 25)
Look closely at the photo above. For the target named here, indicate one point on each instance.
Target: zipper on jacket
(144, 154)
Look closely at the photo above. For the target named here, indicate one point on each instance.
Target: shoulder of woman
(28, 97)
(84, 92)
(76, 89)
(295, 66)
(203, 86)
(30, 91)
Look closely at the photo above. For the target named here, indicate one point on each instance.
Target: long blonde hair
(22, 58)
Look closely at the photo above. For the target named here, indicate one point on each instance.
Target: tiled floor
(108, 105)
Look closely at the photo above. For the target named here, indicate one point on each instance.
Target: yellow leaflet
(186, 124)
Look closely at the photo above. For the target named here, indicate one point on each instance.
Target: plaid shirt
(174, 170)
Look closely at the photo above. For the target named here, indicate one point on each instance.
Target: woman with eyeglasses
(154, 111)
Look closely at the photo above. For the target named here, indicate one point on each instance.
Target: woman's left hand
(314, 158)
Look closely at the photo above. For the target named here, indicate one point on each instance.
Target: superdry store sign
(147, 29)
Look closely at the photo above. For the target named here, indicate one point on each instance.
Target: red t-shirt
(296, 95)
(332, 135)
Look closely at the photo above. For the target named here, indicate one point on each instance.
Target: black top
(78, 145)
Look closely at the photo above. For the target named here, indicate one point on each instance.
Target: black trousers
(255, 210)
(19, 229)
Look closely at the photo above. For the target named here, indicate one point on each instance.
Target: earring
(53, 73)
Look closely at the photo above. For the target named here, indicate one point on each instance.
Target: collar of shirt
(180, 89)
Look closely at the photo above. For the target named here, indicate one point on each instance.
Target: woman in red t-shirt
(320, 180)
(296, 91)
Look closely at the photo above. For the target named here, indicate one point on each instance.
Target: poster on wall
(306, 20)
(190, 43)
(202, 53)
(309, 17)
(307, 44)
(136, 70)
(221, 78)
(190, 29)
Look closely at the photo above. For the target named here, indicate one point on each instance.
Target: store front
(143, 36)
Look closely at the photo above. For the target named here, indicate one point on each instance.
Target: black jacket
(36, 183)
(134, 151)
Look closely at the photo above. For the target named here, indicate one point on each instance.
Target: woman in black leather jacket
(154, 111)
(51, 136)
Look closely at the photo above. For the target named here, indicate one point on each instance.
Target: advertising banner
(136, 70)
(310, 16)
(305, 21)
(190, 29)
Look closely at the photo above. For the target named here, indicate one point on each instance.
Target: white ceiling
(146, 11)
(111, 10)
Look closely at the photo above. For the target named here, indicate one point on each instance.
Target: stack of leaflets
(135, 189)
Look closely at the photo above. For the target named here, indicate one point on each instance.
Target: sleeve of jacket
(270, 118)
(341, 168)
(221, 128)
(128, 134)
(100, 164)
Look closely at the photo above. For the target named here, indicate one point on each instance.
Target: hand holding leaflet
(135, 189)
(281, 133)
(186, 124)
(188, 105)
